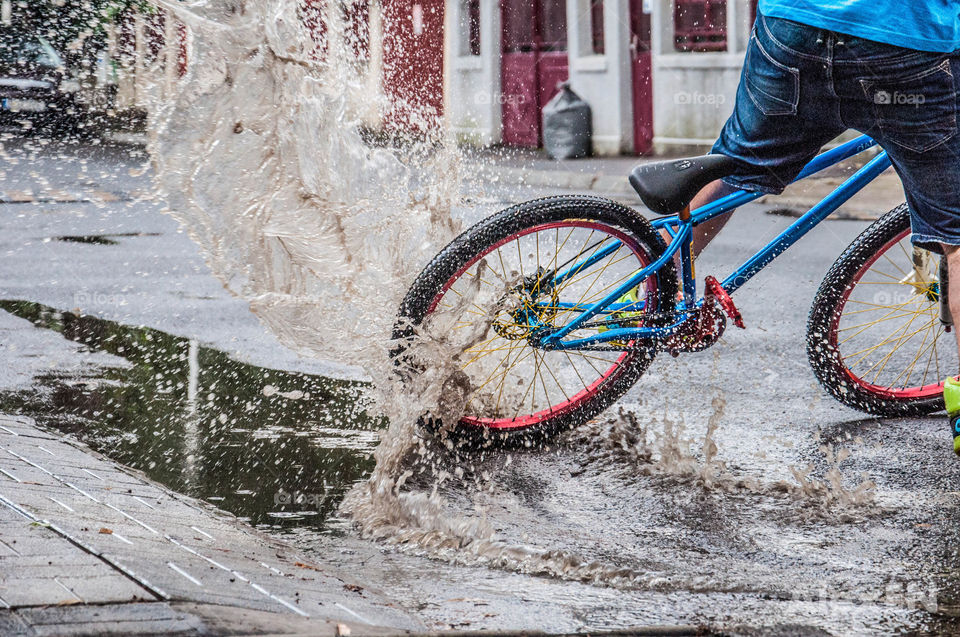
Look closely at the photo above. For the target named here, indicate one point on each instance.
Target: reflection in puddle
(276, 447)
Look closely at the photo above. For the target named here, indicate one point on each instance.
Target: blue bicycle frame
(681, 233)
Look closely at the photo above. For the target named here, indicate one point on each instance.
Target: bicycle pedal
(715, 289)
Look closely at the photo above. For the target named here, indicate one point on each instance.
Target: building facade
(659, 75)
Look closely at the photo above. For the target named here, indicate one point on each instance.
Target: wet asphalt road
(589, 534)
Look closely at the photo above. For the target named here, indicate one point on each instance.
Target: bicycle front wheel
(874, 336)
(533, 267)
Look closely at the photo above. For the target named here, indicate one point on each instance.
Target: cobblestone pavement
(87, 546)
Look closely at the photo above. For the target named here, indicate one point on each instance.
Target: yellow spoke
(486, 352)
(533, 385)
(621, 259)
(506, 370)
(575, 370)
(482, 280)
(559, 249)
(899, 307)
(596, 358)
(878, 305)
(868, 309)
(932, 349)
(903, 249)
(584, 302)
(580, 257)
(880, 320)
(596, 278)
(908, 368)
(897, 280)
(502, 364)
(883, 283)
(543, 383)
(523, 398)
(587, 358)
(895, 347)
(500, 385)
(536, 288)
(503, 268)
(887, 257)
(539, 374)
(933, 353)
(937, 355)
(555, 379)
(867, 350)
(886, 341)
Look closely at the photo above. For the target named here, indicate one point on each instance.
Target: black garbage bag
(567, 125)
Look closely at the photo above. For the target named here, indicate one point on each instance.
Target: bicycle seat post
(688, 276)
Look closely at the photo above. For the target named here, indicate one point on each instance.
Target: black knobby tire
(463, 253)
(851, 349)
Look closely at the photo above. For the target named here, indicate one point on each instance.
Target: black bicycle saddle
(666, 187)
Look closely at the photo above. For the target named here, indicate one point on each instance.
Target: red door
(413, 64)
(534, 62)
(642, 76)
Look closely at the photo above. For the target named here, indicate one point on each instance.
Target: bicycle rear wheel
(874, 337)
(496, 282)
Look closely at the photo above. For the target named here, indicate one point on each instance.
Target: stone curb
(796, 206)
(99, 196)
(124, 137)
(187, 618)
(862, 208)
(564, 179)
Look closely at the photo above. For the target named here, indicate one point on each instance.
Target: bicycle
(571, 297)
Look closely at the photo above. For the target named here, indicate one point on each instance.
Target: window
(596, 27)
(700, 25)
(552, 15)
(470, 21)
(20, 49)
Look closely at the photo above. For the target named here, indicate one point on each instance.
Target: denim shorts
(803, 86)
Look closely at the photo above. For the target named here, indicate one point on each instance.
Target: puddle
(102, 239)
(274, 447)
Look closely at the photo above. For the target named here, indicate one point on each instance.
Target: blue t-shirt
(925, 25)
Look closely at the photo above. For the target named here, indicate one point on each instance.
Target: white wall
(603, 81)
(473, 100)
(693, 93)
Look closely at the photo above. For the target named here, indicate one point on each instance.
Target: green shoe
(951, 398)
(625, 318)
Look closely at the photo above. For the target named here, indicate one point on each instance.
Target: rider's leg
(705, 232)
(953, 291)
(951, 388)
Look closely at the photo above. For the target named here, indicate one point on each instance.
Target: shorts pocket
(773, 87)
(918, 112)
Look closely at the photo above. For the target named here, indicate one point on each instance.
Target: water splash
(624, 438)
(260, 154)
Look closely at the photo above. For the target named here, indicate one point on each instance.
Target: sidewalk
(89, 547)
(608, 175)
